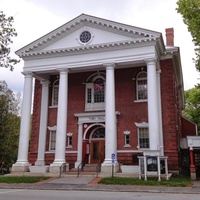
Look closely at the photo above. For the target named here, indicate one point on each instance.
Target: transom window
(141, 84)
(95, 92)
(99, 133)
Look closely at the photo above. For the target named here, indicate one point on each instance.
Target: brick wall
(170, 114)
(130, 112)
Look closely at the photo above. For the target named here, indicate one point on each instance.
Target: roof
(130, 35)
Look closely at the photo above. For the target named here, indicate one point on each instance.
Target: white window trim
(126, 133)
(68, 136)
(50, 139)
(57, 86)
(141, 125)
(140, 100)
(51, 129)
(93, 106)
(79, 34)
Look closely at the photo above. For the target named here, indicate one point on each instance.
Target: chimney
(169, 36)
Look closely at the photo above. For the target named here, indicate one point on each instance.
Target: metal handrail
(98, 169)
(82, 165)
(60, 169)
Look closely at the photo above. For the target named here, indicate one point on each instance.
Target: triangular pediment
(102, 33)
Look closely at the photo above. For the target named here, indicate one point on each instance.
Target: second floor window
(52, 141)
(141, 84)
(55, 91)
(98, 90)
(95, 93)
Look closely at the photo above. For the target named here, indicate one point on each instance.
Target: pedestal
(107, 168)
(59, 167)
(39, 169)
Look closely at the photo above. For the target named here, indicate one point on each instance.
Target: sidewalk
(90, 184)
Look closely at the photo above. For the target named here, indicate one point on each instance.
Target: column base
(59, 167)
(77, 163)
(39, 163)
(108, 167)
(193, 175)
(21, 167)
(39, 169)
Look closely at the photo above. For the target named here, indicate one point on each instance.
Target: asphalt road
(24, 194)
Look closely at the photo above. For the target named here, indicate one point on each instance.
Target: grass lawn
(21, 179)
(177, 181)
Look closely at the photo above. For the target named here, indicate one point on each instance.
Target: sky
(35, 18)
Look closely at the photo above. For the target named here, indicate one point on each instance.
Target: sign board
(113, 157)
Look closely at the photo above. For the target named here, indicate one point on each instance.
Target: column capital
(63, 70)
(109, 65)
(158, 71)
(151, 60)
(28, 74)
(45, 82)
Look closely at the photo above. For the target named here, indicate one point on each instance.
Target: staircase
(90, 167)
(88, 170)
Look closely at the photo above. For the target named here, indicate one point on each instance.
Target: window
(99, 133)
(95, 92)
(99, 90)
(85, 37)
(141, 84)
(69, 140)
(52, 142)
(55, 93)
(127, 139)
(143, 135)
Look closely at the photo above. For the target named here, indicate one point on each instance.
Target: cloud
(35, 18)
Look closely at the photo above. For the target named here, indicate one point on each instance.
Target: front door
(97, 151)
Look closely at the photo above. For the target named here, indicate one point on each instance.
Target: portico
(108, 118)
(93, 101)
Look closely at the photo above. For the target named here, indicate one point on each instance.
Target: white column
(80, 145)
(43, 123)
(110, 117)
(153, 114)
(22, 160)
(61, 120)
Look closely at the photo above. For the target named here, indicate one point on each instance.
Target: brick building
(101, 89)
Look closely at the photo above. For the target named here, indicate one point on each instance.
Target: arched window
(55, 90)
(99, 133)
(141, 86)
(99, 90)
(95, 92)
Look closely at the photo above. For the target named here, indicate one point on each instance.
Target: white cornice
(90, 47)
(88, 20)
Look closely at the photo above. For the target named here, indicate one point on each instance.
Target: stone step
(90, 167)
(75, 174)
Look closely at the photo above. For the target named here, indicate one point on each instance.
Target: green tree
(6, 33)
(192, 105)
(9, 126)
(190, 11)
